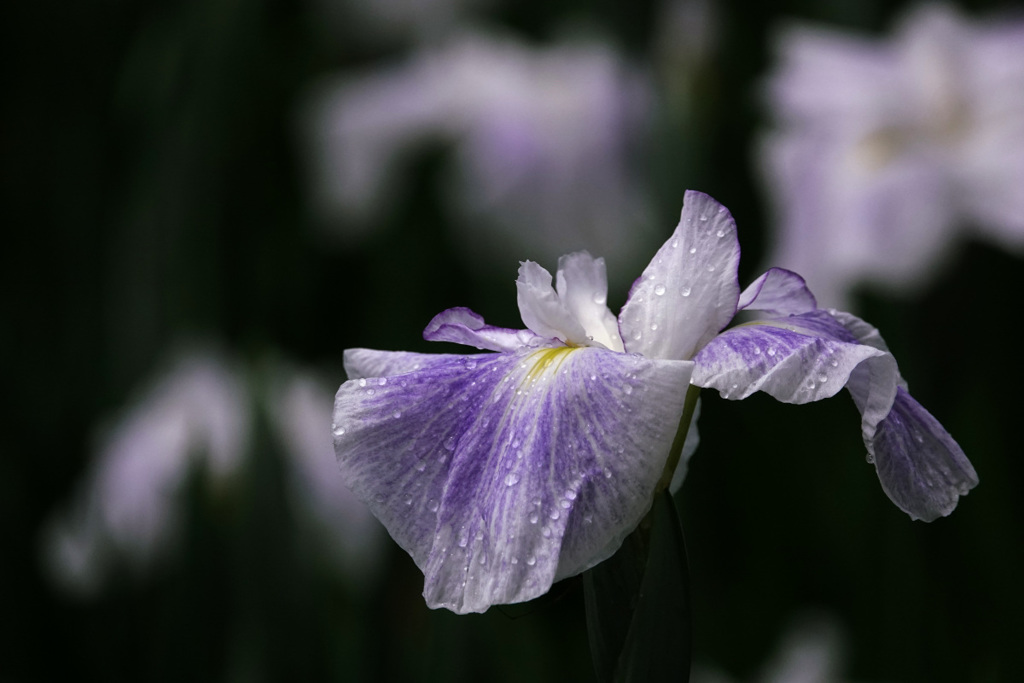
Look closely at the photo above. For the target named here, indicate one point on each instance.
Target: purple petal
(689, 291)
(797, 359)
(360, 363)
(502, 473)
(780, 292)
(463, 326)
(921, 468)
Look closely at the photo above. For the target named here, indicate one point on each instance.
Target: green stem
(689, 405)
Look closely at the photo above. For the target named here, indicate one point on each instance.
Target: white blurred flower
(810, 651)
(193, 416)
(198, 416)
(300, 409)
(886, 149)
(544, 144)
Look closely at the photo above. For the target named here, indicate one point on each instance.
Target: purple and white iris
(503, 472)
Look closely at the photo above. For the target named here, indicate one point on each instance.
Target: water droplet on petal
(711, 268)
(675, 242)
(362, 382)
(534, 517)
(720, 233)
(531, 560)
(338, 431)
(870, 458)
(421, 465)
(471, 364)
(685, 291)
(637, 335)
(703, 219)
(600, 299)
(771, 351)
(397, 414)
(511, 479)
(693, 250)
(659, 290)
(432, 505)
(382, 381)
(555, 514)
(628, 389)
(822, 378)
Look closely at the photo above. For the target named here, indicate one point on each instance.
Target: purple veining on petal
(794, 365)
(501, 473)
(780, 292)
(463, 326)
(921, 468)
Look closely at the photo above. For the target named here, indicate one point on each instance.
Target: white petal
(582, 286)
(689, 291)
(542, 310)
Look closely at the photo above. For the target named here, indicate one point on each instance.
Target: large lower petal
(502, 473)
(921, 468)
(690, 289)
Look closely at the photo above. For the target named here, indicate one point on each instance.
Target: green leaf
(638, 603)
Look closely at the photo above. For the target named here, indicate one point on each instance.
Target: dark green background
(153, 191)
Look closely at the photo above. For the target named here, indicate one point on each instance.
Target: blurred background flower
(294, 179)
(545, 145)
(888, 151)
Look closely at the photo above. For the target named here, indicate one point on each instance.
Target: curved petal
(502, 473)
(542, 309)
(779, 292)
(797, 359)
(463, 326)
(362, 363)
(865, 333)
(689, 291)
(582, 285)
(921, 468)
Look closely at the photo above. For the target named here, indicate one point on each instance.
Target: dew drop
(703, 219)
(570, 494)
(600, 299)
(545, 532)
(449, 443)
(463, 539)
(834, 363)
(685, 291)
(607, 473)
(771, 351)
(382, 381)
(471, 364)
(362, 382)
(628, 389)
(711, 268)
(659, 290)
(869, 458)
(338, 431)
(675, 242)
(588, 519)
(511, 479)
(371, 392)
(432, 505)
(757, 350)
(593, 378)
(534, 517)
(397, 414)
(566, 504)
(720, 233)
(637, 335)
(408, 500)
(654, 327)
(421, 465)
(531, 560)
(555, 514)
(822, 378)
(693, 250)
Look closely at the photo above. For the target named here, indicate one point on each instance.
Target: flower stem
(674, 453)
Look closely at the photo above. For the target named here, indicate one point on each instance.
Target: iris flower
(503, 472)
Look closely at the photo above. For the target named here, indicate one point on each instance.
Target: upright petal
(501, 473)
(463, 326)
(689, 291)
(582, 285)
(779, 292)
(542, 309)
(921, 468)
